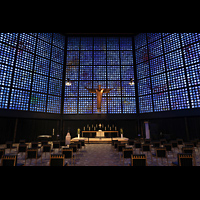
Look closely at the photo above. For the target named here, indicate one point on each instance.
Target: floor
(101, 155)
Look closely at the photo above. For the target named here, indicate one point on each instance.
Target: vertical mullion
(78, 75)
(120, 74)
(92, 71)
(106, 76)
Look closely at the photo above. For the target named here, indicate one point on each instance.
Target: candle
(53, 131)
(84, 128)
(78, 131)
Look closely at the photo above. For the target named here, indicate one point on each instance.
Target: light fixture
(68, 83)
(131, 81)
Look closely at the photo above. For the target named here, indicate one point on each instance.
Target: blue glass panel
(157, 65)
(179, 99)
(144, 87)
(82, 90)
(86, 43)
(72, 90)
(192, 53)
(176, 79)
(72, 72)
(43, 49)
(114, 105)
(96, 83)
(126, 57)
(53, 104)
(117, 88)
(113, 72)
(174, 60)
(143, 70)
(73, 43)
(99, 73)
(103, 105)
(99, 43)
(112, 43)
(99, 57)
(59, 40)
(86, 57)
(171, 42)
(161, 102)
(153, 36)
(47, 37)
(5, 75)
(155, 49)
(193, 74)
(55, 87)
(22, 79)
(145, 104)
(38, 102)
(27, 42)
(19, 100)
(40, 83)
(188, 38)
(56, 70)
(72, 58)
(141, 54)
(57, 55)
(125, 43)
(70, 105)
(128, 105)
(85, 105)
(195, 96)
(9, 38)
(7, 54)
(4, 95)
(159, 83)
(127, 72)
(127, 90)
(113, 58)
(41, 65)
(85, 73)
(140, 40)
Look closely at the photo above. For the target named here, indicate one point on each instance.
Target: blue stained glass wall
(168, 71)
(31, 71)
(105, 61)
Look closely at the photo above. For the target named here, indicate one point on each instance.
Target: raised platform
(100, 140)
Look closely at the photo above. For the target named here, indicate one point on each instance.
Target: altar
(100, 133)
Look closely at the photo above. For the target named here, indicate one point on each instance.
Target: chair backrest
(127, 152)
(2, 152)
(68, 152)
(74, 147)
(131, 142)
(179, 141)
(22, 148)
(46, 148)
(137, 144)
(44, 142)
(120, 147)
(9, 144)
(34, 144)
(156, 144)
(32, 153)
(8, 160)
(185, 159)
(189, 145)
(161, 152)
(138, 160)
(57, 160)
(174, 143)
(147, 141)
(187, 150)
(82, 142)
(168, 147)
(56, 144)
(145, 147)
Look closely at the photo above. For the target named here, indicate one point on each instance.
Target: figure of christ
(99, 93)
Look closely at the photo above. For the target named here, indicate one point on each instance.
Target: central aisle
(98, 155)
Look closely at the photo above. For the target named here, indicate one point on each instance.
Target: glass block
(155, 49)
(85, 73)
(5, 75)
(19, 99)
(195, 96)
(24, 60)
(176, 79)
(189, 38)
(96, 83)
(144, 87)
(127, 72)
(145, 104)
(43, 49)
(85, 105)
(22, 79)
(86, 43)
(159, 83)
(143, 70)
(57, 55)
(70, 105)
(153, 36)
(113, 72)
(4, 96)
(71, 91)
(27, 42)
(174, 60)
(9, 38)
(128, 90)
(73, 43)
(53, 104)
(7, 54)
(99, 73)
(72, 72)
(103, 105)
(41, 65)
(171, 42)
(112, 43)
(38, 102)
(126, 57)
(128, 105)
(86, 57)
(117, 88)
(72, 58)
(161, 102)
(47, 37)
(140, 40)
(113, 58)
(114, 105)
(193, 74)
(55, 87)
(99, 43)
(192, 54)
(99, 57)
(179, 99)
(56, 70)
(40, 83)
(125, 43)
(157, 65)
(82, 90)
(141, 55)
(59, 40)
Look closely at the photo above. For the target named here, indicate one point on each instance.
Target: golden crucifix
(99, 93)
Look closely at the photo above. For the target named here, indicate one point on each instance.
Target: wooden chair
(160, 153)
(47, 148)
(9, 160)
(56, 145)
(32, 153)
(146, 148)
(137, 146)
(2, 152)
(184, 159)
(147, 141)
(168, 147)
(130, 142)
(138, 160)
(68, 152)
(22, 148)
(174, 146)
(9, 145)
(127, 152)
(57, 160)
